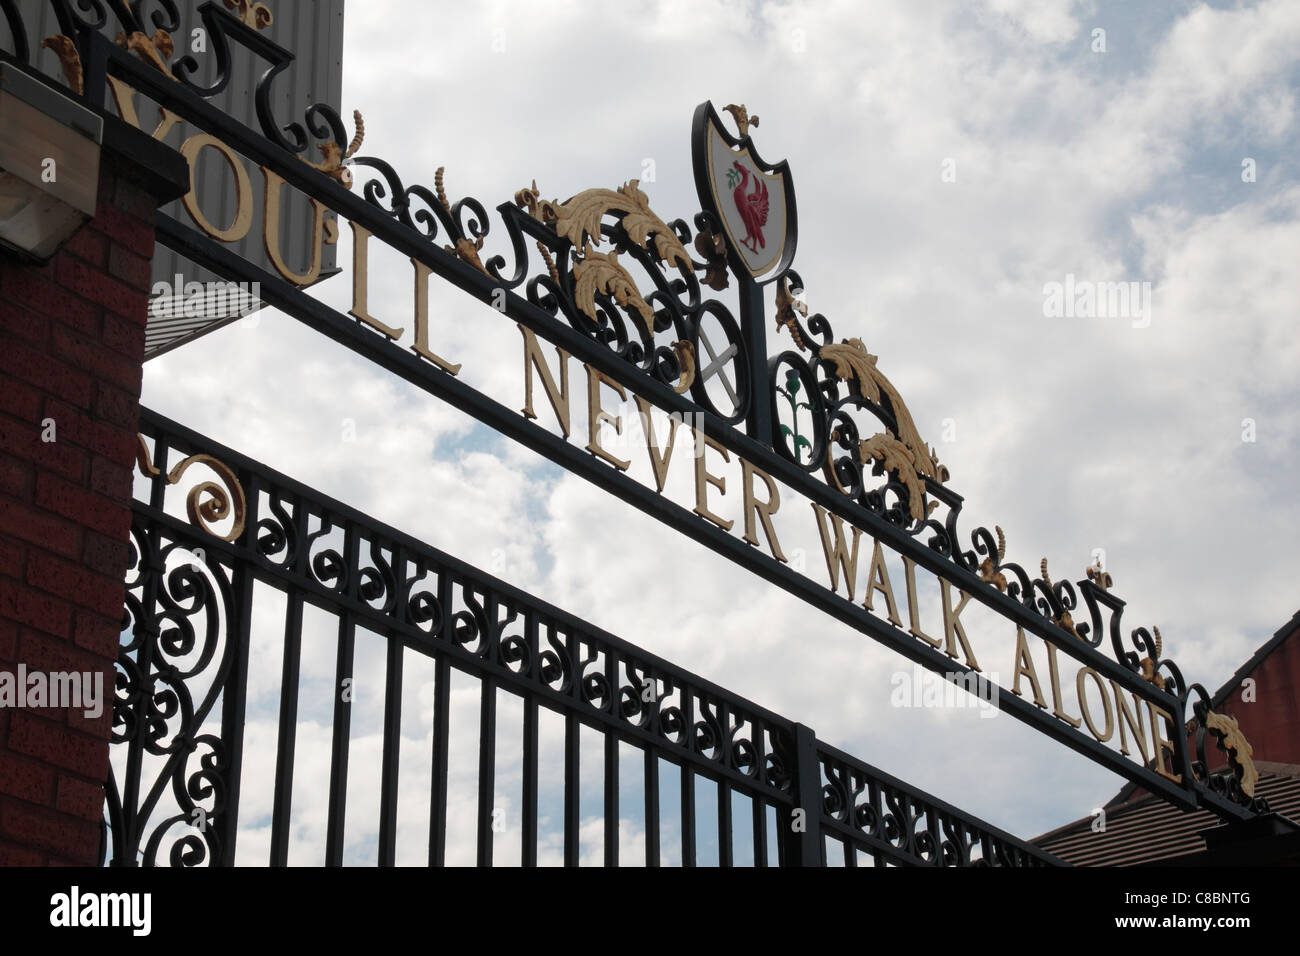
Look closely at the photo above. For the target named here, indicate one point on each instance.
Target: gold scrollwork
(224, 500)
(1240, 752)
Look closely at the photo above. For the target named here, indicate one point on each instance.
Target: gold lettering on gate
(658, 460)
(421, 346)
(703, 479)
(243, 219)
(596, 415)
(558, 397)
(763, 509)
(322, 231)
(360, 282)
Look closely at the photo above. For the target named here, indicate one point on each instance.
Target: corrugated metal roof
(313, 31)
(1148, 829)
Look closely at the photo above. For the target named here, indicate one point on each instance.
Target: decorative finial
(1099, 577)
(256, 15)
(989, 568)
(741, 115)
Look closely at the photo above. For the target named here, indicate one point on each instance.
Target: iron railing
(183, 694)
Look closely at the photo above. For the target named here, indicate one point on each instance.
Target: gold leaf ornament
(905, 452)
(598, 272)
(686, 360)
(69, 58)
(1240, 753)
(578, 219)
(898, 458)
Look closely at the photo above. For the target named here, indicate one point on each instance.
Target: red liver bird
(752, 207)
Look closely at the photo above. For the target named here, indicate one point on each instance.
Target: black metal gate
(215, 524)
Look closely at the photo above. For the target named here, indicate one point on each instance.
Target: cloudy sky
(950, 161)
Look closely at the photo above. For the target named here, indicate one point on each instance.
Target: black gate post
(801, 828)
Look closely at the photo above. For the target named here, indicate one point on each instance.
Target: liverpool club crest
(752, 200)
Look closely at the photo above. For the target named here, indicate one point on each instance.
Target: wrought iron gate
(179, 718)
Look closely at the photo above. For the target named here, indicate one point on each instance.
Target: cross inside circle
(718, 365)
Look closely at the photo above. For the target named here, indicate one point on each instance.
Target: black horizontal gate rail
(179, 713)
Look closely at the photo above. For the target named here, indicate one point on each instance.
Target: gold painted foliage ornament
(904, 453)
(70, 59)
(155, 50)
(578, 219)
(1240, 753)
(601, 272)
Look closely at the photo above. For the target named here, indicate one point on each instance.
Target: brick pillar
(71, 356)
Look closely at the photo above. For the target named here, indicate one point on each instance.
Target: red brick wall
(1271, 722)
(71, 350)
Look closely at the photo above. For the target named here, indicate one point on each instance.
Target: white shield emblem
(754, 201)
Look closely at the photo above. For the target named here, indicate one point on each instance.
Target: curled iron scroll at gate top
(605, 265)
(182, 695)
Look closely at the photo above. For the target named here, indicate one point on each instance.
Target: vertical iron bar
(341, 742)
(234, 696)
(754, 326)
(487, 756)
(152, 573)
(801, 836)
(571, 781)
(688, 782)
(759, 815)
(341, 734)
(288, 735)
(528, 835)
(724, 824)
(441, 712)
(651, 806)
(759, 807)
(528, 825)
(392, 751)
(611, 765)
